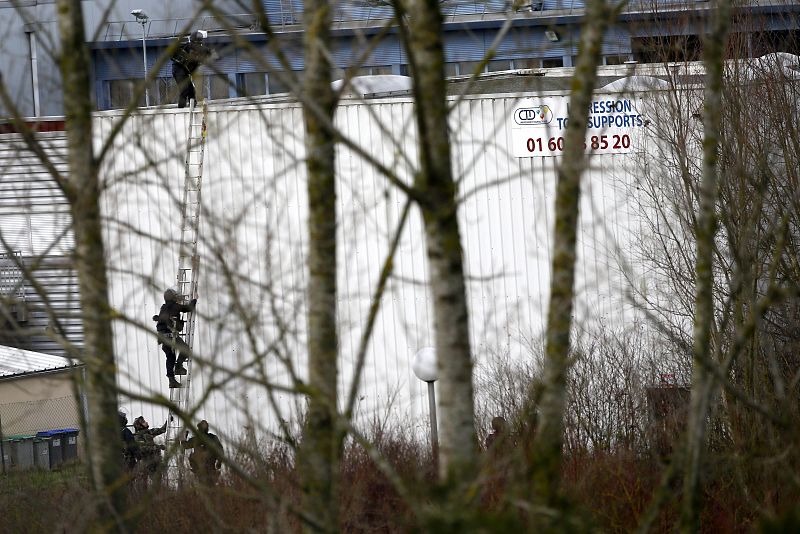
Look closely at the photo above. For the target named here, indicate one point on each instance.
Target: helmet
(170, 295)
(196, 36)
(202, 426)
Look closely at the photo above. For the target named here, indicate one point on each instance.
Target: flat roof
(16, 362)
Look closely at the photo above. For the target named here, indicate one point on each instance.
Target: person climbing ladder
(169, 326)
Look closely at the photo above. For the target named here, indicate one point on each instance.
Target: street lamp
(424, 366)
(142, 18)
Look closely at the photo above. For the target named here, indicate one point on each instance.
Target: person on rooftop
(189, 56)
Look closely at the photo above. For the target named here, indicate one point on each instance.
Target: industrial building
(250, 324)
(249, 341)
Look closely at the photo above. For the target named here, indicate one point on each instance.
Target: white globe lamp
(424, 366)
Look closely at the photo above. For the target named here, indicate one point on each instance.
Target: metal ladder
(188, 264)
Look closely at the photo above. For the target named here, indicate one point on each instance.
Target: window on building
(382, 69)
(217, 86)
(450, 69)
(553, 62)
(496, 65)
(163, 91)
(617, 59)
(340, 74)
(775, 41)
(277, 84)
(252, 84)
(528, 63)
(121, 93)
(666, 48)
(468, 68)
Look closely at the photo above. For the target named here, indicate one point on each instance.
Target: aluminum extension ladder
(188, 268)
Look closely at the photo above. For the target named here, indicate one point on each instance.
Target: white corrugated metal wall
(35, 222)
(253, 236)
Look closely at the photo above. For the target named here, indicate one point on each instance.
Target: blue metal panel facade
(464, 46)
(227, 63)
(388, 52)
(530, 42)
(262, 59)
(119, 63)
(617, 40)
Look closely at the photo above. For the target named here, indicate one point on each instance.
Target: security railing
(283, 13)
(12, 282)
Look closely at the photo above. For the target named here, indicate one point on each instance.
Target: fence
(30, 417)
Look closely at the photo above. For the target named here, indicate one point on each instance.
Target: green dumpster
(21, 451)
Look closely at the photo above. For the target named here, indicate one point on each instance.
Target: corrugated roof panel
(14, 362)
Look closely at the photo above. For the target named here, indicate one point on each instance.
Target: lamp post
(142, 18)
(424, 366)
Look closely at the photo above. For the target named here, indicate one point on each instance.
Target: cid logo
(533, 116)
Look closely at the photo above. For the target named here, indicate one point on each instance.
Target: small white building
(38, 392)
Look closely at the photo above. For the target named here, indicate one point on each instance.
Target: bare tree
(747, 299)
(82, 190)
(435, 192)
(702, 381)
(547, 447)
(319, 453)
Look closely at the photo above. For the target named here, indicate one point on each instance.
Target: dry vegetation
(608, 491)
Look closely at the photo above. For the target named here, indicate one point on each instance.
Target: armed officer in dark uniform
(169, 326)
(150, 450)
(187, 58)
(206, 460)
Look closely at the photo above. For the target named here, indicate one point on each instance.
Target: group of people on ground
(142, 456)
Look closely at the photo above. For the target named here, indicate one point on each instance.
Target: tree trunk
(83, 192)
(318, 456)
(547, 446)
(702, 380)
(458, 451)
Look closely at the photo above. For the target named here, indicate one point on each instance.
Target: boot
(173, 383)
(180, 369)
